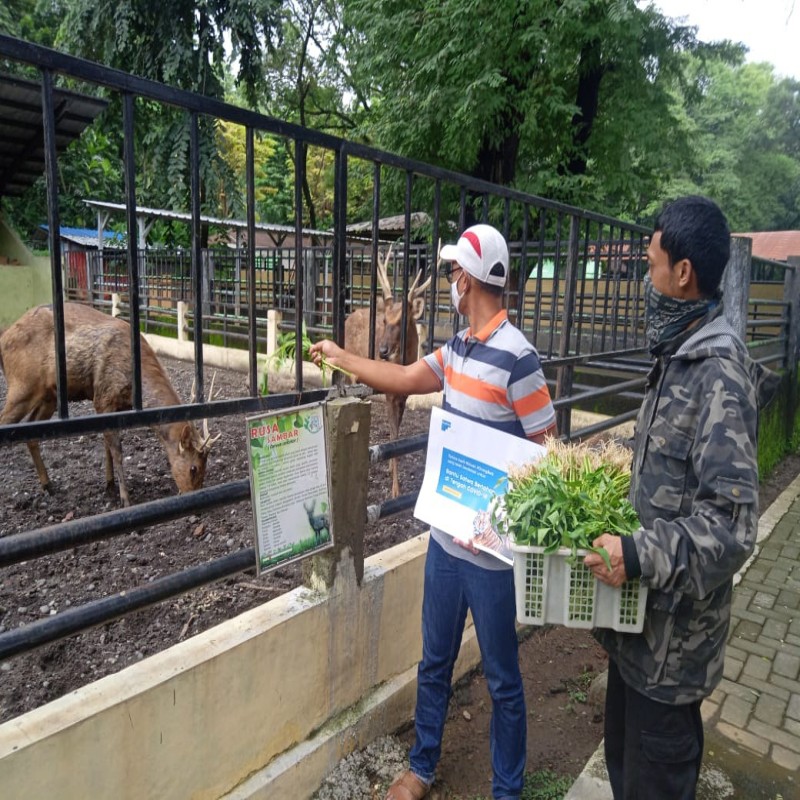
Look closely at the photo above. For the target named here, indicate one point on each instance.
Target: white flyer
(466, 470)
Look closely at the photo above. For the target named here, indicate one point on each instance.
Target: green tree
(185, 48)
(745, 130)
(306, 82)
(529, 94)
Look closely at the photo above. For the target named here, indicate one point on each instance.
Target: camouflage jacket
(694, 486)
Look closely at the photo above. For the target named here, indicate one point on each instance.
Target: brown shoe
(408, 787)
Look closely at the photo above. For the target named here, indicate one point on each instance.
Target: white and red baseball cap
(482, 252)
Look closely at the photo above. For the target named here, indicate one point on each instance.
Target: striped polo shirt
(493, 377)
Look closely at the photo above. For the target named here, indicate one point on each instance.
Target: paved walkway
(752, 719)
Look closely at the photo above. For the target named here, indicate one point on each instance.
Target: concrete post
(274, 318)
(348, 422)
(791, 294)
(183, 307)
(116, 303)
(736, 284)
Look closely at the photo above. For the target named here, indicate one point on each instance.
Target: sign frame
(290, 491)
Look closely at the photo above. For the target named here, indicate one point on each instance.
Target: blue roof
(88, 233)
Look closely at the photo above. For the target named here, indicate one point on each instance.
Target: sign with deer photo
(289, 484)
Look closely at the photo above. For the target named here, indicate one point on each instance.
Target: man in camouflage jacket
(694, 486)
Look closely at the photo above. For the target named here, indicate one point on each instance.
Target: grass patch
(544, 784)
(778, 428)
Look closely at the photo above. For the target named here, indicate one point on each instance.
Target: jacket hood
(718, 338)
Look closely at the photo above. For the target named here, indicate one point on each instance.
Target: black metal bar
(197, 253)
(522, 275)
(397, 447)
(299, 177)
(537, 310)
(75, 620)
(64, 535)
(129, 164)
(389, 508)
(97, 423)
(54, 237)
(606, 424)
(406, 261)
(340, 246)
(619, 389)
(251, 263)
(373, 271)
(435, 237)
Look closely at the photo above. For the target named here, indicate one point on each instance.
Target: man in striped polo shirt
(491, 374)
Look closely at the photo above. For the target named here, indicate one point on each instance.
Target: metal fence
(575, 291)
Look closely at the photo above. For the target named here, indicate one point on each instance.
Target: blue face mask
(665, 316)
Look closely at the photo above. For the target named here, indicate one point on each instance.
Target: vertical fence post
(274, 318)
(348, 422)
(564, 375)
(736, 284)
(54, 240)
(183, 310)
(791, 294)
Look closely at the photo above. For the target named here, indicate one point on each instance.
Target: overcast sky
(770, 28)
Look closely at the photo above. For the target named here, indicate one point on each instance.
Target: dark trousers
(653, 750)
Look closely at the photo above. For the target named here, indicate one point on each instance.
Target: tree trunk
(590, 72)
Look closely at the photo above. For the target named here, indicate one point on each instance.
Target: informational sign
(289, 484)
(466, 469)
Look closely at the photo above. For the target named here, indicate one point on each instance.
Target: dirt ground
(558, 663)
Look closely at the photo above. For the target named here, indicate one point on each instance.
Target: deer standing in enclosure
(388, 340)
(99, 368)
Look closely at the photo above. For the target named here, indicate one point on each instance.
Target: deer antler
(207, 440)
(205, 445)
(415, 291)
(383, 277)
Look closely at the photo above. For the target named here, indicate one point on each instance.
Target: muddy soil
(558, 663)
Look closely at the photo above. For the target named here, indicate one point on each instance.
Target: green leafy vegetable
(574, 494)
(287, 351)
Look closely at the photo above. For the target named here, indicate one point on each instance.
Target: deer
(388, 338)
(318, 522)
(99, 369)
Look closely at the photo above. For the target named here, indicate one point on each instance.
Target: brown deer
(388, 339)
(99, 369)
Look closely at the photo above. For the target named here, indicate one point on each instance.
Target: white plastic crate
(551, 591)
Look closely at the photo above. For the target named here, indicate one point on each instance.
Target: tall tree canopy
(745, 127)
(529, 94)
(599, 103)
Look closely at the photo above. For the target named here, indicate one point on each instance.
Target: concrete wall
(24, 278)
(262, 706)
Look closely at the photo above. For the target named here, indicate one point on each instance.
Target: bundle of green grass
(572, 495)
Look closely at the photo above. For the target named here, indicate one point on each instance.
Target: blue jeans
(452, 585)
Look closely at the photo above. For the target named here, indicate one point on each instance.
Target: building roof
(86, 237)
(22, 132)
(276, 231)
(394, 227)
(774, 245)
